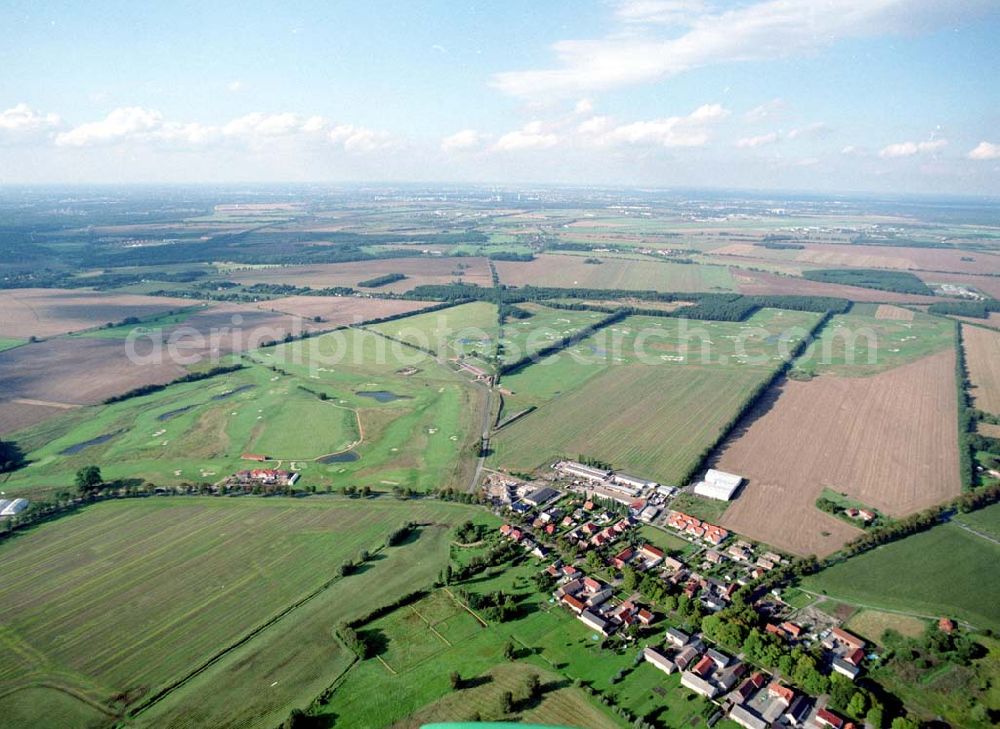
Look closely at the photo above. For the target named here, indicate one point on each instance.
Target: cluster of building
(617, 485)
(714, 535)
(752, 699)
(266, 477)
(864, 515)
(593, 601)
(12, 507)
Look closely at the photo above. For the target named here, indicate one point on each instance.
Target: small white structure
(718, 485)
(13, 507)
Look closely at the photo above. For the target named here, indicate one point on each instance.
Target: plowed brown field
(982, 357)
(762, 283)
(889, 440)
(418, 271)
(338, 310)
(48, 312)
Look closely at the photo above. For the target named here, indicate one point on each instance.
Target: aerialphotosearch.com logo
(670, 340)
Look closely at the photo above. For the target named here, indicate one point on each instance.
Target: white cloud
(185, 135)
(816, 129)
(658, 12)
(758, 141)
(531, 136)
(908, 149)
(761, 31)
(235, 86)
(767, 110)
(462, 140)
(259, 124)
(672, 131)
(852, 150)
(360, 139)
(22, 119)
(120, 124)
(984, 151)
(583, 106)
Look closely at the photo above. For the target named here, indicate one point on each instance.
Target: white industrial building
(10, 508)
(718, 485)
(579, 469)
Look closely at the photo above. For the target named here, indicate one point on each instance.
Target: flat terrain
(982, 358)
(647, 394)
(48, 312)
(888, 440)
(544, 327)
(412, 430)
(467, 330)
(568, 271)
(418, 271)
(872, 624)
(934, 573)
(86, 369)
(90, 625)
(861, 343)
(762, 282)
(339, 310)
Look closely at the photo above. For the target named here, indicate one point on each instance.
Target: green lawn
(124, 330)
(6, 343)
(197, 431)
(858, 344)
(84, 610)
(937, 572)
(468, 330)
(545, 326)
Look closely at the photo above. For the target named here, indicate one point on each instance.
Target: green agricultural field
(468, 330)
(569, 270)
(859, 344)
(6, 343)
(122, 331)
(376, 426)
(89, 625)
(934, 573)
(648, 394)
(544, 327)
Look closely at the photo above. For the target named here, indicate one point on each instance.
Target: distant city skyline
(848, 95)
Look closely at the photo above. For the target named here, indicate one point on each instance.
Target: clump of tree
(398, 535)
(973, 309)
(901, 282)
(354, 640)
(377, 281)
(192, 377)
(11, 457)
(88, 480)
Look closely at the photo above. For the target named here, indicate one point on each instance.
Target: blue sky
(883, 95)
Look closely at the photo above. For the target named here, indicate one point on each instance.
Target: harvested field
(989, 429)
(982, 357)
(88, 369)
(889, 441)
(872, 624)
(49, 312)
(339, 310)
(861, 256)
(418, 271)
(23, 413)
(762, 283)
(894, 313)
(76, 371)
(992, 321)
(614, 273)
